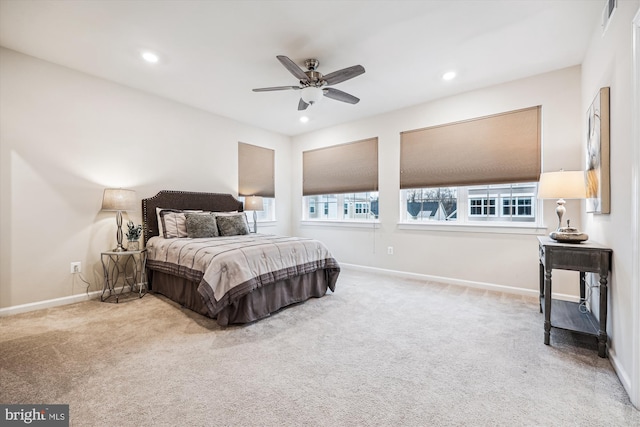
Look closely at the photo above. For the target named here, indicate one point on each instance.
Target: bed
(234, 279)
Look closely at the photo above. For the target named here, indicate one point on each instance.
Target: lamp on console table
(118, 199)
(254, 203)
(563, 185)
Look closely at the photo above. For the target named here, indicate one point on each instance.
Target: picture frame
(597, 167)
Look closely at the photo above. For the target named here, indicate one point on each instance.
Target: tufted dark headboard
(215, 202)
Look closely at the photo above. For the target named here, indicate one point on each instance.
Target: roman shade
(497, 149)
(339, 169)
(255, 171)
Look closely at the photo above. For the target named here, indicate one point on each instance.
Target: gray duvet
(227, 268)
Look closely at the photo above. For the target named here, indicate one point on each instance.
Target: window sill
(532, 229)
(340, 223)
(266, 223)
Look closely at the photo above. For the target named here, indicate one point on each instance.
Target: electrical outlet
(76, 267)
(390, 250)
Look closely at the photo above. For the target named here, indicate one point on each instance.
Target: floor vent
(607, 13)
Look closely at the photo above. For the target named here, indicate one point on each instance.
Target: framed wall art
(597, 171)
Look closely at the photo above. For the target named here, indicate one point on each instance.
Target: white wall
(609, 63)
(65, 136)
(509, 260)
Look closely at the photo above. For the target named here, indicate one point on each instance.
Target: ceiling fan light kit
(311, 94)
(312, 83)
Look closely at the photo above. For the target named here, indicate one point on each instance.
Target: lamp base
(568, 234)
(561, 237)
(255, 222)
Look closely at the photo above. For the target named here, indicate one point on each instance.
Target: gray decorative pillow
(232, 225)
(201, 225)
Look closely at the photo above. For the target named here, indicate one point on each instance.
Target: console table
(586, 257)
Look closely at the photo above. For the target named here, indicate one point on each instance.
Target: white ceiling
(214, 52)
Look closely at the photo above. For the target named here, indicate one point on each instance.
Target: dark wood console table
(586, 257)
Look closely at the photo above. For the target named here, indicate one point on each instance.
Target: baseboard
(33, 306)
(426, 277)
(623, 376)
(72, 299)
(459, 282)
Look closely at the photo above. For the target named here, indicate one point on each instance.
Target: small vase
(133, 245)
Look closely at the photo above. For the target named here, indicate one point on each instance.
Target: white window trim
(268, 223)
(492, 227)
(340, 223)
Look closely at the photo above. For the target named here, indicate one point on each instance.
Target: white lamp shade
(311, 94)
(562, 185)
(118, 199)
(253, 203)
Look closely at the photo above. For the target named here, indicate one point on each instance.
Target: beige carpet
(381, 351)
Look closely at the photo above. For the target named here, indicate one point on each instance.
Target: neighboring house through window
(495, 203)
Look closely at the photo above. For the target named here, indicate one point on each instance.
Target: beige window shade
(255, 171)
(502, 148)
(345, 168)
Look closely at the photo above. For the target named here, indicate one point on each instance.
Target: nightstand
(126, 269)
(587, 257)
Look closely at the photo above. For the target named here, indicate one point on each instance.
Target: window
(430, 204)
(355, 206)
(502, 148)
(362, 208)
(256, 177)
(517, 206)
(482, 206)
(504, 203)
(340, 182)
(467, 171)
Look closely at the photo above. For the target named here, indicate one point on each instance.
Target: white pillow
(229, 213)
(172, 222)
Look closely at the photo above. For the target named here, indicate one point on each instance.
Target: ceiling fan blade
(267, 89)
(302, 105)
(344, 74)
(293, 68)
(339, 95)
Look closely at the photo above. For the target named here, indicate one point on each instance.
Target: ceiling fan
(312, 83)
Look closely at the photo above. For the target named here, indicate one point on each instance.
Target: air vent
(607, 13)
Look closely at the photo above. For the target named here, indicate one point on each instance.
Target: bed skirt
(258, 304)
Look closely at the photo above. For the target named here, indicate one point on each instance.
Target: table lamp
(563, 185)
(118, 199)
(254, 203)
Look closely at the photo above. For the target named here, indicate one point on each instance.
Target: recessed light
(150, 57)
(449, 75)
(304, 119)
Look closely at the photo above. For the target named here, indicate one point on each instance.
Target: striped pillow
(173, 223)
